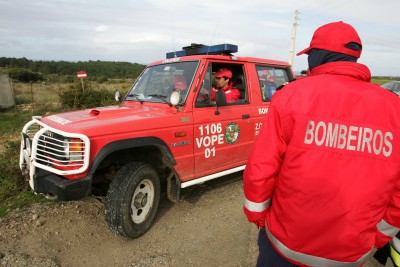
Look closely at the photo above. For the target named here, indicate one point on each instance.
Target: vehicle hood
(113, 119)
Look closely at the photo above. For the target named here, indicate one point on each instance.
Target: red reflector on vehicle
(180, 134)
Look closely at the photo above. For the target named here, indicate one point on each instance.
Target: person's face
(221, 82)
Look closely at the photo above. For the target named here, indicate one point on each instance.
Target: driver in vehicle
(223, 79)
(180, 83)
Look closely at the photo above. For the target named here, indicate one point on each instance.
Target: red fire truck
(164, 135)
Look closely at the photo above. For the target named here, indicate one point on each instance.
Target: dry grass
(39, 96)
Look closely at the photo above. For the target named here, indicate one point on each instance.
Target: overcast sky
(143, 31)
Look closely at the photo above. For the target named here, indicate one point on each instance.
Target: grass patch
(20, 201)
(11, 179)
(381, 81)
(14, 189)
(37, 93)
(11, 122)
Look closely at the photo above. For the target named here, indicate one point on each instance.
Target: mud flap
(173, 187)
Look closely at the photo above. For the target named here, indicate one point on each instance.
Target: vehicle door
(223, 135)
(270, 78)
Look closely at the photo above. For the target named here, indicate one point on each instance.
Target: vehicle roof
(222, 57)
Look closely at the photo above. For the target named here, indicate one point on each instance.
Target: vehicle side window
(237, 86)
(270, 78)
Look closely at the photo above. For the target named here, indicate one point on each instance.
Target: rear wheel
(132, 200)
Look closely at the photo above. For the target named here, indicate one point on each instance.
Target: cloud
(101, 28)
(144, 30)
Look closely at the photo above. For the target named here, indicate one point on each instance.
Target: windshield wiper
(135, 96)
(162, 97)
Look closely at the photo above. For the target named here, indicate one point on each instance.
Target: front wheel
(132, 200)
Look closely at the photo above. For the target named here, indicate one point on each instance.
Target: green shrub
(102, 79)
(117, 81)
(23, 75)
(67, 79)
(76, 97)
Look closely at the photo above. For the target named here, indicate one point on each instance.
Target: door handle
(245, 116)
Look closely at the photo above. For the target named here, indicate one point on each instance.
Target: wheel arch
(145, 148)
(128, 144)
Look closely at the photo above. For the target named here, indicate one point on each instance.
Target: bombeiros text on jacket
(349, 137)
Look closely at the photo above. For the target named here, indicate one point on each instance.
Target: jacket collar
(351, 69)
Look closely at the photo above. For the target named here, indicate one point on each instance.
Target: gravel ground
(208, 228)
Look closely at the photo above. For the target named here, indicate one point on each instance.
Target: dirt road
(208, 228)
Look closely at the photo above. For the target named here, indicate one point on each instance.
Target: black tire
(132, 200)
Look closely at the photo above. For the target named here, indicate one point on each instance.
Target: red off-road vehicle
(164, 135)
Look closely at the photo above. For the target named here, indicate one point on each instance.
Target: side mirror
(175, 98)
(220, 100)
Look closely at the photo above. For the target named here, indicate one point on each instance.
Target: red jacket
(324, 173)
(231, 94)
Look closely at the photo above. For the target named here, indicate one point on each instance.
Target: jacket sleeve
(389, 226)
(263, 166)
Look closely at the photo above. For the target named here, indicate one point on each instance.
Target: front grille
(57, 151)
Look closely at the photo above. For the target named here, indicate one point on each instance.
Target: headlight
(73, 149)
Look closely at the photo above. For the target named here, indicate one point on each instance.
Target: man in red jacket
(323, 179)
(223, 80)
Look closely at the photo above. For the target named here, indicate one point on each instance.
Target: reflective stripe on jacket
(395, 249)
(324, 171)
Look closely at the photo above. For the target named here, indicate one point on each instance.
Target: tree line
(95, 69)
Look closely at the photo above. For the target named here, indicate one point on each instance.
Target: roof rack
(200, 49)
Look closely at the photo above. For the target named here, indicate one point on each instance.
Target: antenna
(293, 37)
(212, 39)
(173, 36)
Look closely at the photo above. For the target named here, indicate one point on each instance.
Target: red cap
(179, 82)
(223, 73)
(334, 37)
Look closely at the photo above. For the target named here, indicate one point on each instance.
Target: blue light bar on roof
(200, 49)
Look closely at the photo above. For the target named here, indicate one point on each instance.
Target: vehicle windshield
(158, 82)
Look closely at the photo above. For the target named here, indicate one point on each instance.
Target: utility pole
(293, 37)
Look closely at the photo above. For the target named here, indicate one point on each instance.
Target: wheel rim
(142, 201)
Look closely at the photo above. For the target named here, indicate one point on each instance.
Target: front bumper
(49, 183)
